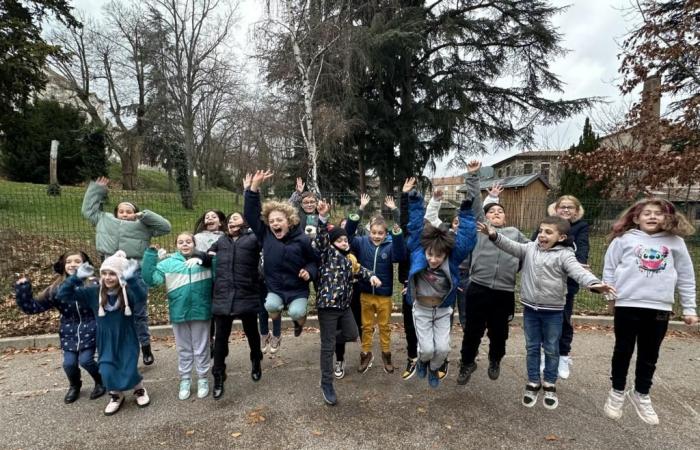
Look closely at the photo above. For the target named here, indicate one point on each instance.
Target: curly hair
(675, 223)
(283, 207)
(439, 241)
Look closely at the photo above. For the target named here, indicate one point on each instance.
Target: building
(544, 163)
(448, 185)
(58, 89)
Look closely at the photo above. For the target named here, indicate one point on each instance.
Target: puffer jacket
(112, 234)
(77, 329)
(492, 267)
(189, 289)
(238, 287)
(464, 243)
(544, 272)
(285, 257)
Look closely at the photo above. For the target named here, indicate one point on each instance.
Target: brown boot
(365, 361)
(388, 367)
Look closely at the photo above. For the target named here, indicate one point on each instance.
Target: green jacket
(189, 290)
(112, 234)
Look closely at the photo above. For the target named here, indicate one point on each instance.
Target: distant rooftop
(532, 154)
(508, 182)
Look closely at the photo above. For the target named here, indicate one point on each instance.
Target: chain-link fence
(36, 228)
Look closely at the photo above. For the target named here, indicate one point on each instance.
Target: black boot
(73, 391)
(99, 389)
(147, 354)
(256, 372)
(219, 385)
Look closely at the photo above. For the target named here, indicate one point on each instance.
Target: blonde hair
(552, 209)
(675, 223)
(283, 207)
(186, 233)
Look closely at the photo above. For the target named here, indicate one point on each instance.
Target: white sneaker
(142, 398)
(339, 371)
(550, 399)
(530, 395)
(202, 388)
(614, 403)
(564, 367)
(275, 342)
(115, 402)
(185, 385)
(642, 404)
(265, 342)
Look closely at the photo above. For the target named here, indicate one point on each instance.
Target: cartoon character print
(651, 260)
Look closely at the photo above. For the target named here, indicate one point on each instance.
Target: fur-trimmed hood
(552, 211)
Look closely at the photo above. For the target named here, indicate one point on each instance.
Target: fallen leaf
(421, 410)
(316, 433)
(449, 427)
(551, 437)
(236, 434)
(189, 432)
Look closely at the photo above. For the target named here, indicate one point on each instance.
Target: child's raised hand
(304, 275)
(408, 185)
(85, 271)
(389, 202)
(437, 195)
(487, 229)
(21, 279)
(473, 166)
(162, 253)
(396, 229)
(690, 320)
(375, 281)
(247, 180)
(259, 177)
(131, 267)
(102, 181)
(364, 201)
(300, 185)
(603, 288)
(323, 208)
(495, 189)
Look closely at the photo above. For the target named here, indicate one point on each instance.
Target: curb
(161, 331)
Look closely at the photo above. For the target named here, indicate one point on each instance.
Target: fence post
(53, 173)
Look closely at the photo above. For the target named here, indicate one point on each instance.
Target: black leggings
(223, 331)
(356, 309)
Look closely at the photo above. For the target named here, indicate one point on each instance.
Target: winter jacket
(362, 217)
(117, 344)
(646, 269)
(464, 243)
(188, 289)
(544, 272)
(285, 257)
(238, 287)
(492, 267)
(112, 234)
(336, 273)
(205, 239)
(77, 325)
(379, 259)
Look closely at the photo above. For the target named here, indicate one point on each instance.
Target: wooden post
(53, 174)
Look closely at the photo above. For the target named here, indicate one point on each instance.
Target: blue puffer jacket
(379, 259)
(285, 257)
(77, 324)
(464, 244)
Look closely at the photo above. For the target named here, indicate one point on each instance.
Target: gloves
(466, 204)
(85, 270)
(162, 253)
(194, 261)
(131, 267)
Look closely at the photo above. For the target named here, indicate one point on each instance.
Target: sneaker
(614, 403)
(202, 388)
(275, 342)
(265, 342)
(328, 393)
(142, 398)
(115, 402)
(465, 372)
(564, 367)
(532, 391)
(365, 361)
(444, 369)
(386, 359)
(421, 368)
(494, 369)
(184, 392)
(550, 400)
(298, 328)
(410, 368)
(339, 371)
(433, 378)
(642, 404)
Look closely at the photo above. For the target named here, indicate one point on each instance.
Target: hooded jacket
(544, 272)
(492, 267)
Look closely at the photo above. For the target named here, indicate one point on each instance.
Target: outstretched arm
(466, 233)
(416, 213)
(27, 303)
(157, 224)
(514, 248)
(149, 268)
(95, 196)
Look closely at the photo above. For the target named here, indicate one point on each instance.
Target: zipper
(80, 322)
(374, 265)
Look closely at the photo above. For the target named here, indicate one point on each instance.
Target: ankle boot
(256, 372)
(219, 385)
(99, 389)
(147, 354)
(388, 366)
(73, 392)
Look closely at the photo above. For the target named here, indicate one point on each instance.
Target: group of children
(264, 260)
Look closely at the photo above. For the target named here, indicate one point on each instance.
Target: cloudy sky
(591, 31)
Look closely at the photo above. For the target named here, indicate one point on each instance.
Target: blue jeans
(86, 359)
(296, 308)
(263, 316)
(542, 330)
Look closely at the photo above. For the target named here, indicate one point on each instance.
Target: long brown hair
(675, 223)
(59, 267)
(103, 296)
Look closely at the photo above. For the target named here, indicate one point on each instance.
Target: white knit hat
(115, 263)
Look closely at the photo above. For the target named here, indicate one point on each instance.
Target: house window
(527, 168)
(500, 173)
(508, 171)
(544, 170)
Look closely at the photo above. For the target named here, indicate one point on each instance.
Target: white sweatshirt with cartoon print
(646, 269)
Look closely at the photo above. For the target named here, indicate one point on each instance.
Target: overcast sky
(590, 29)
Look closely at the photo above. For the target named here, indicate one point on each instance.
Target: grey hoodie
(544, 272)
(492, 267)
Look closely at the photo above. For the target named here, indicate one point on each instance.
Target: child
(209, 228)
(380, 252)
(188, 287)
(238, 290)
(336, 270)
(117, 343)
(433, 281)
(646, 261)
(269, 340)
(305, 202)
(290, 260)
(129, 230)
(545, 266)
(77, 325)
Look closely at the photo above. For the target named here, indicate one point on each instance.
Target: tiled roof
(532, 154)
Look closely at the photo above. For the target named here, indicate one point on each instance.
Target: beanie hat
(115, 263)
(489, 205)
(336, 233)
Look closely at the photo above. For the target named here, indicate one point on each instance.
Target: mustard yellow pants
(376, 310)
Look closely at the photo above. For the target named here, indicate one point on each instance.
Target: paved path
(375, 410)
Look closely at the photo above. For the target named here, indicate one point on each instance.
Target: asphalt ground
(375, 410)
